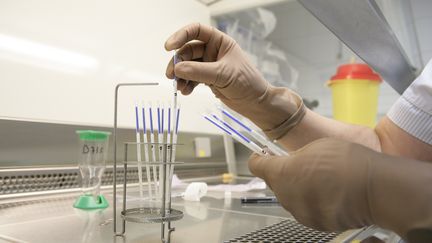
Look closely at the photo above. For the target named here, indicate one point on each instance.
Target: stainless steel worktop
(217, 217)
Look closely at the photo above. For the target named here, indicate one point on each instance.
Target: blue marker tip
(162, 122)
(232, 129)
(151, 120)
(169, 120)
(144, 119)
(236, 120)
(174, 63)
(136, 120)
(177, 120)
(217, 125)
(159, 121)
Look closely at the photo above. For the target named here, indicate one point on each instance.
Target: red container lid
(355, 71)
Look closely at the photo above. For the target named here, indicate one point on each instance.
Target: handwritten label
(86, 149)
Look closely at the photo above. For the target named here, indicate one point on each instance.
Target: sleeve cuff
(290, 123)
(412, 119)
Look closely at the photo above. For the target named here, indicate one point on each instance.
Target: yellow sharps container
(355, 89)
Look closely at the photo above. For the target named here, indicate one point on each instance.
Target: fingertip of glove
(169, 76)
(169, 44)
(169, 73)
(166, 46)
(186, 91)
(255, 164)
(254, 155)
(183, 68)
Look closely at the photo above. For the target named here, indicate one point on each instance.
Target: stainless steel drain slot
(285, 231)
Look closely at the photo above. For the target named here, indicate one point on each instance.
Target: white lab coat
(413, 110)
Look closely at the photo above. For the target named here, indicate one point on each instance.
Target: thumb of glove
(266, 167)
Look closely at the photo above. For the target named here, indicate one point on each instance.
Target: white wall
(60, 60)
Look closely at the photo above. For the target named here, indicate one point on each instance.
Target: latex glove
(334, 185)
(211, 57)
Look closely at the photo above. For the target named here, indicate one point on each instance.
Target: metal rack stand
(163, 214)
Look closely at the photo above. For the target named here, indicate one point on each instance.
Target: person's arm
(211, 57)
(406, 130)
(387, 137)
(314, 126)
(334, 185)
(396, 141)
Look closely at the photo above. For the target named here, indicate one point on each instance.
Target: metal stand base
(150, 215)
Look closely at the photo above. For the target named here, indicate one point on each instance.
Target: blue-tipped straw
(160, 143)
(169, 135)
(169, 149)
(151, 120)
(144, 119)
(217, 125)
(152, 141)
(159, 120)
(274, 149)
(169, 121)
(146, 153)
(162, 120)
(175, 62)
(232, 129)
(138, 145)
(236, 120)
(177, 120)
(137, 126)
(243, 140)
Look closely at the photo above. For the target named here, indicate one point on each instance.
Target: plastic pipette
(177, 122)
(174, 108)
(146, 153)
(175, 88)
(230, 128)
(174, 143)
(237, 133)
(169, 134)
(163, 141)
(160, 143)
(272, 147)
(153, 150)
(175, 132)
(175, 61)
(162, 119)
(168, 150)
(138, 145)
(243, 140)
(174, 123)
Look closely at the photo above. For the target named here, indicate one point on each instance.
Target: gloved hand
(209, 56)
(333, 185)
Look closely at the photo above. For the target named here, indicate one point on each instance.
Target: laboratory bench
(218, 217)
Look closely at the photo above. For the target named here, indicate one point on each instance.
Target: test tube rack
(163, 214)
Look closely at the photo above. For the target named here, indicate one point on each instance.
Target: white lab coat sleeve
(412, 112)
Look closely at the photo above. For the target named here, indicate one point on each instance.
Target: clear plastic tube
(146, 154)
(235, 135)
(153, 150)
(138, 150)
(160, 145)
(274, 149)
